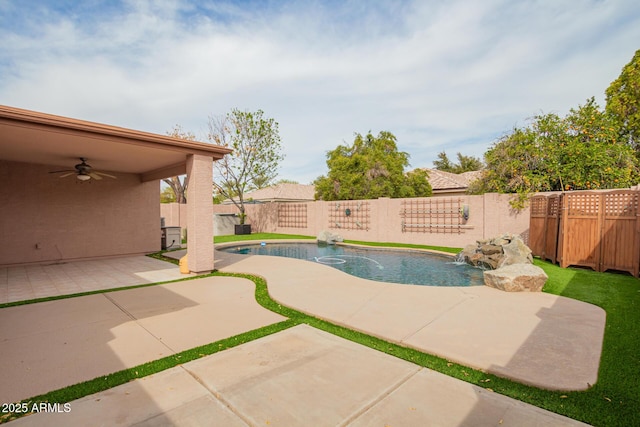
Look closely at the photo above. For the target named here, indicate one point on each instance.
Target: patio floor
(296, 377)
(536, 338)
(27, 282)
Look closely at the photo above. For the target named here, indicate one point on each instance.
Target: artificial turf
(613, 401)
(258, 236)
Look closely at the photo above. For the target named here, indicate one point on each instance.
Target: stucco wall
(489, 215)
(46, 218)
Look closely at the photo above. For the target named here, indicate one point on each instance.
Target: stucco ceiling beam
(165, 172)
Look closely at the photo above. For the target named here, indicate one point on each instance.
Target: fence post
(636, 262)
(599, 245)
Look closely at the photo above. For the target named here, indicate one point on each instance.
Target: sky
(450, 76)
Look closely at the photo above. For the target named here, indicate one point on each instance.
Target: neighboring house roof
(281, 193)
(442, 181)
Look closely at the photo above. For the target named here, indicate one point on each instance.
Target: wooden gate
(620, 246)
(544, 226)
(600, 230)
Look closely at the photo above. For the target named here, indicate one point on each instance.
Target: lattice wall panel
(432, 215)
(621, 204)
(350, 215)
(554, 205)
(538, 206)
(583, 204)
(292, 215)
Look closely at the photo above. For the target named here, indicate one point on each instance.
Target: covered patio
(33, 281)
(60, 217)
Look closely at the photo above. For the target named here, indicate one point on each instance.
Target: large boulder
(515, 252)
(328, 238)
(516, 278)
(497, 252)
(467, 253)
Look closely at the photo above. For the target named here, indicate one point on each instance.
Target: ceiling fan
(83, 171)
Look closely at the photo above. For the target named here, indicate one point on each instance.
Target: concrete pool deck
(300, 376)
(539, 339)
(54, 344)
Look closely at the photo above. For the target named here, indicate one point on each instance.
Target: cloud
(439, 75)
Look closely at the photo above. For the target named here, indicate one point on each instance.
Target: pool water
(384, 265)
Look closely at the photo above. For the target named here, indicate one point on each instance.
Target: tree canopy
(177, 186)
(370, 168)
(465, 163)
(167, 195)
(623, 101)
(255, 158)
(580, 151)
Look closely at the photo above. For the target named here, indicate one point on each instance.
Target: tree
(443, 164)
(255, 158)
(167, 195)
(219, 197)
(623, 101)
(370, 168)
(580, 151)
(179, 187)
(465, 163)
(286, 181)
(468, 164)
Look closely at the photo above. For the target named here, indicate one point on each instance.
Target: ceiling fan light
(83, 177)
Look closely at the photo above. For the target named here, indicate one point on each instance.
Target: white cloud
(439, 75)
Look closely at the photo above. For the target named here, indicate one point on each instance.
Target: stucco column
(200, 213)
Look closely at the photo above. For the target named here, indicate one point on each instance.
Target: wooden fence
(600, 230)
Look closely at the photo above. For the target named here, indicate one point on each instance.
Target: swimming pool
(384, 265)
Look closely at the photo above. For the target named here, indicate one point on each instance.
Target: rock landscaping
(497, 252)
(508, 261)
(328, 238)
(516, 278)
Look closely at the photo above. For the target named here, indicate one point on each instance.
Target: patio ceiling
(32, 137)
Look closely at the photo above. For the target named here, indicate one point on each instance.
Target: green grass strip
(613, 401)
(605, 404)
(258, 236)
(115, 379)
(102, 291)
(157, 255)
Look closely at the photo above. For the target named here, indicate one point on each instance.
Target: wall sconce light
(464, 212)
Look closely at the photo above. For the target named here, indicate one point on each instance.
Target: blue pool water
(384, 265)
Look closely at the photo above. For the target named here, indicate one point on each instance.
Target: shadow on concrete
(567, 353)
(561, 340)
(54, 344)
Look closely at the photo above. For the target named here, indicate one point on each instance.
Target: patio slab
(25, 282)
(53, 344)
(539, 339)
(298, 377)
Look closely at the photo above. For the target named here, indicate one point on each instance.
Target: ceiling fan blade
(67, 174)
(94, 175)
(66, 170)
(105, 174)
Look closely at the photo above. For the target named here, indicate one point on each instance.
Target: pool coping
(218, 246)
(548, 341)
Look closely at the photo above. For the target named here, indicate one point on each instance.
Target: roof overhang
(33, 137)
